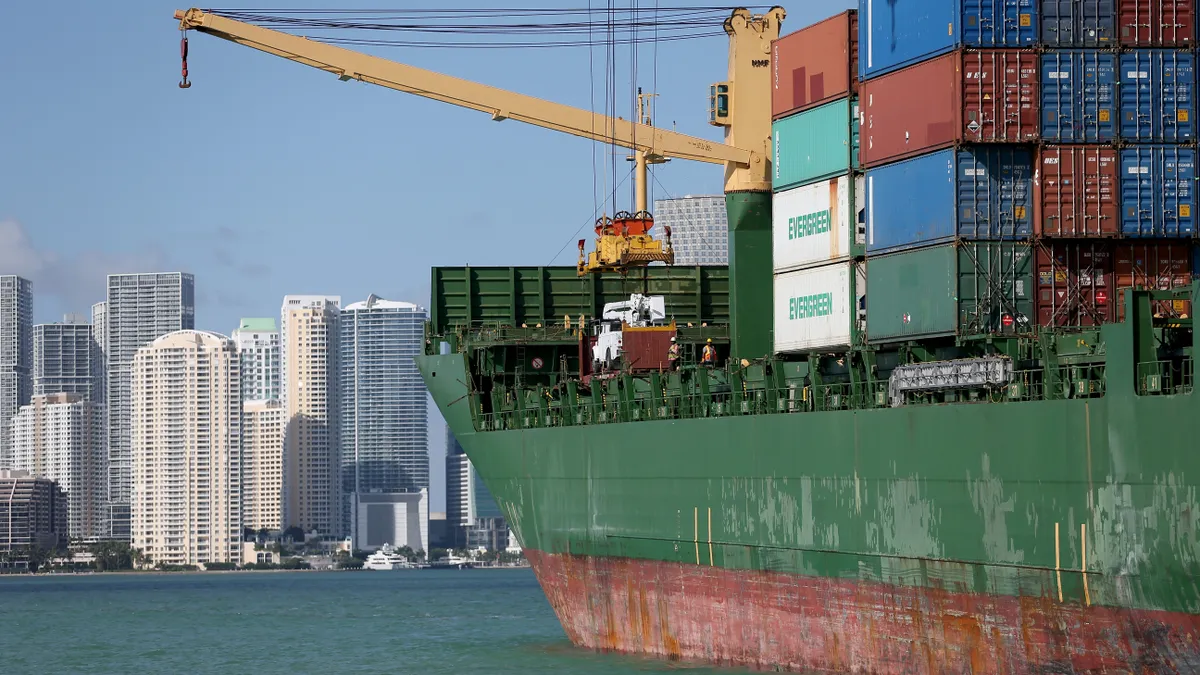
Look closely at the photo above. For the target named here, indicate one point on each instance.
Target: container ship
(985, 464)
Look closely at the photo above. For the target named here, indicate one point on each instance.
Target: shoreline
(25, 575)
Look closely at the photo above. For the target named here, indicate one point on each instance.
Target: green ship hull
(989, 537)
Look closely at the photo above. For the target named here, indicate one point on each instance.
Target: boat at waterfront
(386, 560)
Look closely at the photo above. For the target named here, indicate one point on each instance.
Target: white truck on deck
(639, 310)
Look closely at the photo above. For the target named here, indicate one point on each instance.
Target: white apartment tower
(99, 351)
(257, 341)
(140, 308)
(59, 437)
(186, 412)
(699, 228)
(308, 354)
(263, 484)
(64, 356)
(16, 355)
(382, 408)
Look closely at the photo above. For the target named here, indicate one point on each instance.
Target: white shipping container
(817, 223)
(820, 307)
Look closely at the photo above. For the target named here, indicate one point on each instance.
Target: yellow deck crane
(625, 241)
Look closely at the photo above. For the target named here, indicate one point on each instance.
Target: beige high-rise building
(308, 352)
(262, 465)
(60, 437)
(186, 419)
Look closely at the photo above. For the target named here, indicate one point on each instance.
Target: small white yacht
(386, 559)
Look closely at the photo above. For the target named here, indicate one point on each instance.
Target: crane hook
(183, 49)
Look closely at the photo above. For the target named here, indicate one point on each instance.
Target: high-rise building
(186, 414)
(383, 425)
(257, 341)
(263, 474)
(140, 308)
(100, 352)
(64, 356)
(308, 356)
(699, 228)
(16, 355)
(472, 516)
(58, 437)
(33, 513)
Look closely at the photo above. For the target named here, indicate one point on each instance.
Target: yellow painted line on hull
(710, 555)
(1087, 596)
(696, 531)
(1057, 567)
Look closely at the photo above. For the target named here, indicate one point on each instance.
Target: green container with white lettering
(819, 308)
(818, 223)
(815, 144)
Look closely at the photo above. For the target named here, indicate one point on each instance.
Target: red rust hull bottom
(780, 621)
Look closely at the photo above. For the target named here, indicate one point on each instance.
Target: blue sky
(268, 178)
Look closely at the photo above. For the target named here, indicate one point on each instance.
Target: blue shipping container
(1079, 96)
(984, 192)
(1158, 194)
(1079, 23)
(1157, 96)
(892, 35)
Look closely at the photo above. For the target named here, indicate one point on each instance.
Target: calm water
(411, 621)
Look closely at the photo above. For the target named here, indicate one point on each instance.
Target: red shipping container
(1156, 23)
(972, 96)
(1154, 265)
(1075, 284)
(815, 65)
(646, 349)
(1077, 191)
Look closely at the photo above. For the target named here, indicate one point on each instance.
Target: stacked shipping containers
(817, 224)
(1116, 169)
(950, 123)
(1022, 161)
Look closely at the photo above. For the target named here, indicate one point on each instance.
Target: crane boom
(741, 105)
(500, 104)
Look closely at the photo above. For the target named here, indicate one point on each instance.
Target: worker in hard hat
(709, 355)
(673, 355)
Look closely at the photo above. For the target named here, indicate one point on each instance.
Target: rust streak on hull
(794, 622)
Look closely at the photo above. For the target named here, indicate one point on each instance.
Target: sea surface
(263, 623)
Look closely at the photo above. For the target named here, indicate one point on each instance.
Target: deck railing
(1065, 382)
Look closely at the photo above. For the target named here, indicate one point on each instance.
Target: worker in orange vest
(709, 356)
(673, 355)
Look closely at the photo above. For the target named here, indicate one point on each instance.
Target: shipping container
(1157, 23)
(1079, 23)
(818, 223)
(1077, 190)
(965, 288)
(1156, 266)
(646, 349)
(1157, 96)
(979, 192)
(1158, 192)
(893, 35)
(815, 65)
(515, 296)
(815, 144)
(1078, 96)
(820, 307)
(1075, 283)
(976, 96)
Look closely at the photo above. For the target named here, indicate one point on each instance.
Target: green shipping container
(965, 288)
(815, 144)
(511, 296)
